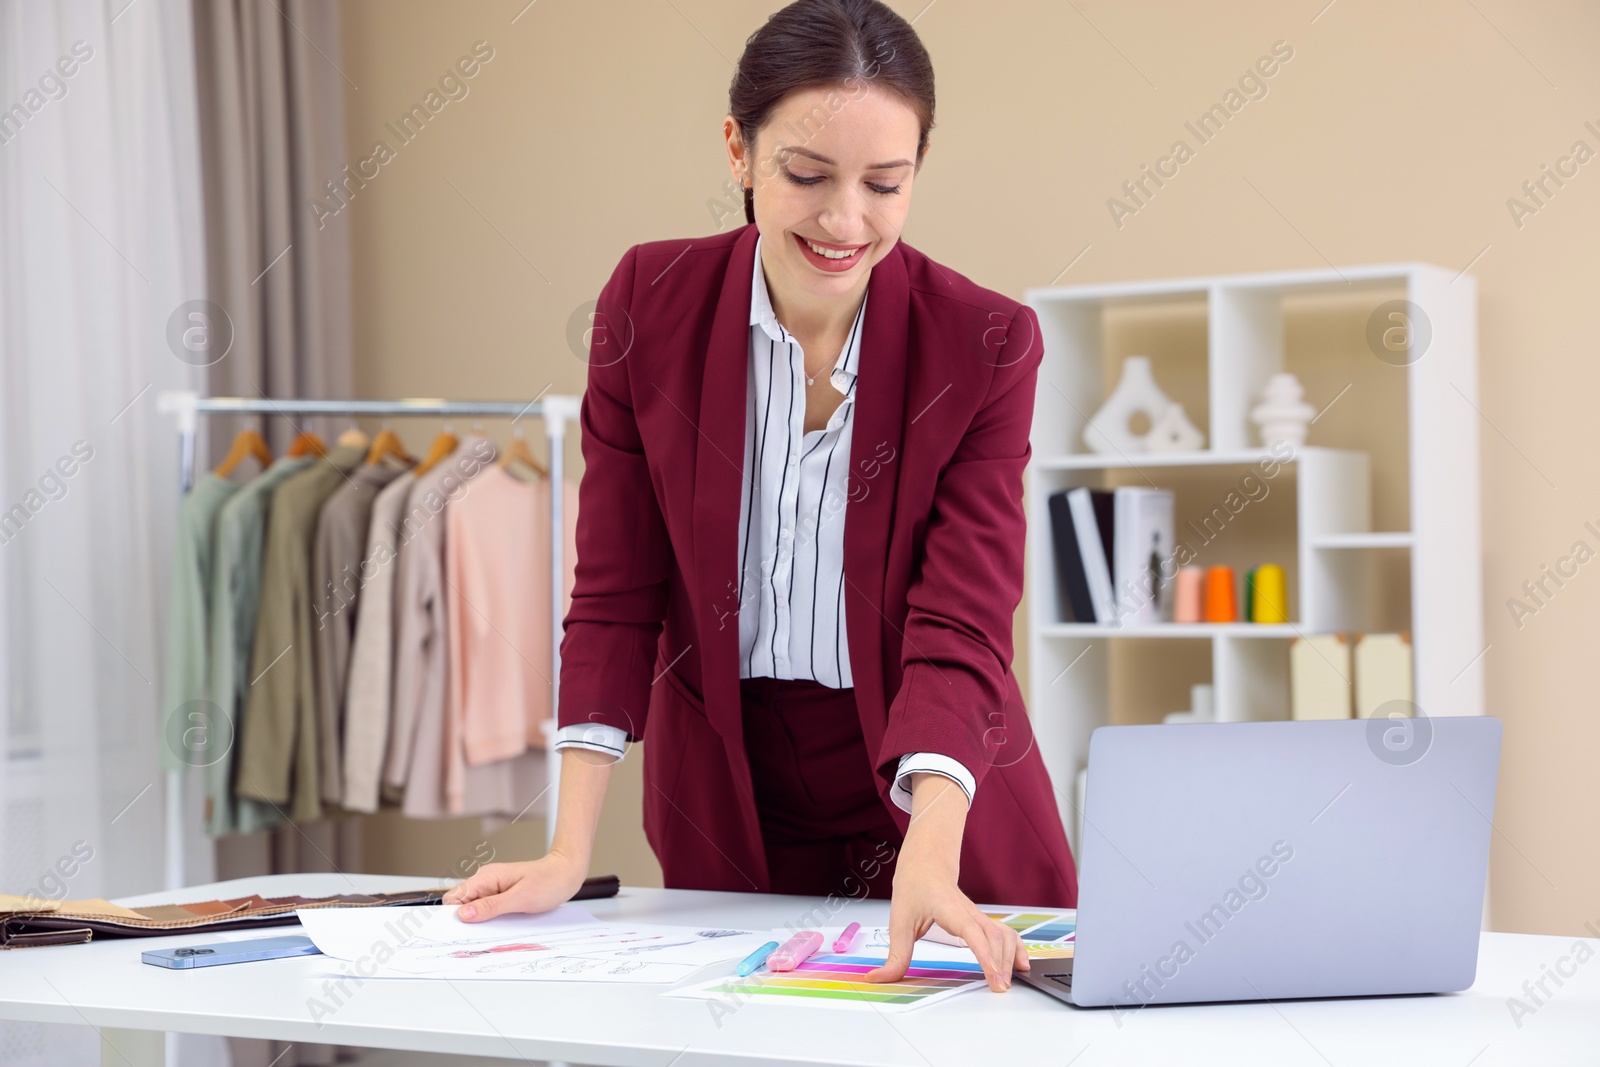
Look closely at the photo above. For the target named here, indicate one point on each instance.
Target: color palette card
(1046, 932)
(937, 972)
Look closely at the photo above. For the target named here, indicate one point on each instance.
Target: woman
(800, 531)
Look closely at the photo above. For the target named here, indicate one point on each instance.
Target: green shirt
(235, 598)
(187, 738)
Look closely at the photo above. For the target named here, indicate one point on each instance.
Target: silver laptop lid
(1242, 861)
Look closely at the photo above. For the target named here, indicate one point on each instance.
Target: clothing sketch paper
(564, 945)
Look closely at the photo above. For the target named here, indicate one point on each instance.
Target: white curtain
(100, 243)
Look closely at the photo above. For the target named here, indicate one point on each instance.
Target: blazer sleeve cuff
(593, 737)
(930, 763)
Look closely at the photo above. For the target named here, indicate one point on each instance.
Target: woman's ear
(738, 157)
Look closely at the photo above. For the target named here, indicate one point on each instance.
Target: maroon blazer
(933, 547)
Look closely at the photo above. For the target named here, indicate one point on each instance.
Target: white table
(104, 984)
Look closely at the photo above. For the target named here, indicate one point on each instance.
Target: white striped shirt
(791, 507)
(791, 531)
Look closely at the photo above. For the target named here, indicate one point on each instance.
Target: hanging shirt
(235, 598)
(188, 731)
(497, 601)
(278, 760)
(424, 758)
(367, 683)
(336, 579)
(791, 531)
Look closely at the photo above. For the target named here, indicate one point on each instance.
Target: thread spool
(1188, 595)
(1270, 602)
(1221, 605)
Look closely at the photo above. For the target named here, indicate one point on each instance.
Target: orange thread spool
(1221, 602)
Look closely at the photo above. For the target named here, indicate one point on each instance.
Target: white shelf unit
(1340, 570)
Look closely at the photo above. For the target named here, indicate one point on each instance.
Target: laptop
(1273, 860)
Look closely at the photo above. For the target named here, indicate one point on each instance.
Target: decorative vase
(1283, 415)
(1173, 432)
(1107, 431)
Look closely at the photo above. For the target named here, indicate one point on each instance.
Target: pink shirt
(497, 607)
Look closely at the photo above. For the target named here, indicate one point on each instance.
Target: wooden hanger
(248, 443)
(517, 451)
(387, 444)
(443, 445)
(352, 438)
(308, 443)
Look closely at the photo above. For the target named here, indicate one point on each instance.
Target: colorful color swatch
(840, 979)
(1021, 921)
(1045, 935)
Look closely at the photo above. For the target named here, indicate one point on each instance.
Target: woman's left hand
(925, 892)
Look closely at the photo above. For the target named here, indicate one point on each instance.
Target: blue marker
(750, 963)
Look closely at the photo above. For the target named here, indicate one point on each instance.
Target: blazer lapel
(876, 456)
(719, 469)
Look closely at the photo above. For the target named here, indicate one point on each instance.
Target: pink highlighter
(795, 951)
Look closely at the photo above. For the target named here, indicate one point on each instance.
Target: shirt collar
(761, 314)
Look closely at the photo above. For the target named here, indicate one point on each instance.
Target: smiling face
(832, 170)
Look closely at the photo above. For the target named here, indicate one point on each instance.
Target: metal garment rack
(556, 411)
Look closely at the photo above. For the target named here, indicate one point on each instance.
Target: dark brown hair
(818, 43)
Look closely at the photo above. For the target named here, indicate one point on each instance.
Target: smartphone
(220, 952)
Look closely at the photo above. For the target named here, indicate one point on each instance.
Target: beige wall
(1396, 132)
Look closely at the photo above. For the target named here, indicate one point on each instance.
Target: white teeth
(828, 253)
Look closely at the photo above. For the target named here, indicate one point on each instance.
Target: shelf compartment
(1088, 339)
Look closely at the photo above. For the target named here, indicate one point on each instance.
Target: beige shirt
(367, 683)
(337, 566)
(417, 754)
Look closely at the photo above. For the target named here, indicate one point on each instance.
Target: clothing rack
(556, 411)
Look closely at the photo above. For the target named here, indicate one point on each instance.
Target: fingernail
(468, 911)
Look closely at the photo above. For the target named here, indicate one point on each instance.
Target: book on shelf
(1143, 541)
(1110, 548)
(1081, 521)
(1072, 583)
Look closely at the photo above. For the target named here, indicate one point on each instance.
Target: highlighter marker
(750, 963)
(795, 951)
(846, 938)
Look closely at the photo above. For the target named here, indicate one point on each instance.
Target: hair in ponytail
(819, 43)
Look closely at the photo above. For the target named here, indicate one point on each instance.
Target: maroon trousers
(827, 829)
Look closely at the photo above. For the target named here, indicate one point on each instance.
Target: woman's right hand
(531, 886)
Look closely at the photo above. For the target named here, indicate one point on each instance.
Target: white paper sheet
(566, 944)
